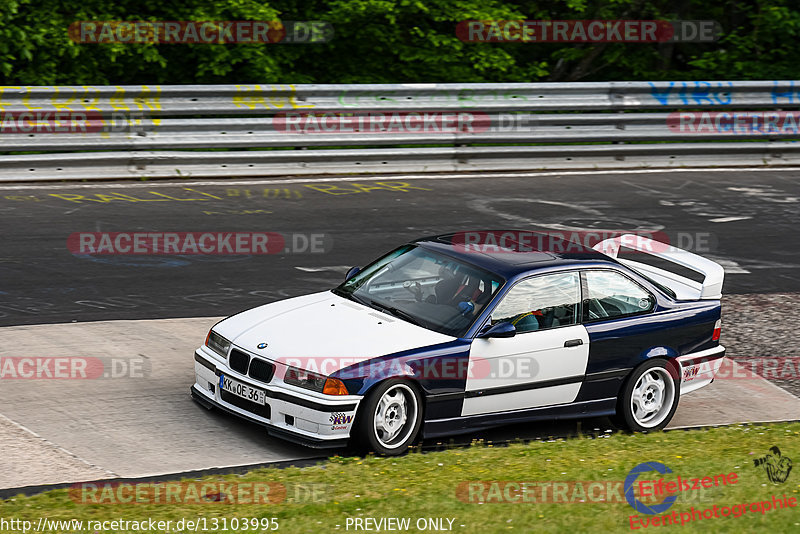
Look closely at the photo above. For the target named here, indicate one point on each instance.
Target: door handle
(573, 342)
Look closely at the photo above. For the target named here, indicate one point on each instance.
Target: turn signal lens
(334, 386)
(717, 330)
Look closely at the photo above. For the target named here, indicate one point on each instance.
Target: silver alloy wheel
(652, 397)
(395, 416)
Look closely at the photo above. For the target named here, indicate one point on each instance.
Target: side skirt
(576, 410)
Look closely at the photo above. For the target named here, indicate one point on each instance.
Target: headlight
(217, 343)
(304, 379)
(314, 382)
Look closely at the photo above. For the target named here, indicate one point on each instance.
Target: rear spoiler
(684, 288)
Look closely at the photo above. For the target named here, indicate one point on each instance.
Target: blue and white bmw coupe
(453, 333)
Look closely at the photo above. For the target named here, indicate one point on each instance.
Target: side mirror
(504, 329)
(351, 273)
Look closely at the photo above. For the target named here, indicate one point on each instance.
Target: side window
(541, 302)
(612, 295)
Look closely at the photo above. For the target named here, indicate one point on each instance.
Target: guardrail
(250, 130)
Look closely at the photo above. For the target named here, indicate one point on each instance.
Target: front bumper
(290, 413)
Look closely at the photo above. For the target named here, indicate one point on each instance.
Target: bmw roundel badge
(262, 345)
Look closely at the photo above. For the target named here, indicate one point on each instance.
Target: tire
(390, 418)
(649, 397)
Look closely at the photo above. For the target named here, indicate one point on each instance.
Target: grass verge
(450, 486)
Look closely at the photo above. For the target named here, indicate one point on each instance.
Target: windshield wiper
(351, 296)
(399, 313)
(380, 307)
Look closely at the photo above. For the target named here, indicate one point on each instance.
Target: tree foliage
(399, 41)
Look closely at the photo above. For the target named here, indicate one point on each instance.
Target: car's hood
(304, 331)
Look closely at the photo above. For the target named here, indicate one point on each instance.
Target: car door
(618, 314)
(545, 362)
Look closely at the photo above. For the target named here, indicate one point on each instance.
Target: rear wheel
(390, 418)
(649, 398)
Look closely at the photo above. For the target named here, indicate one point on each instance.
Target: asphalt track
(743, 219)
(747, 220)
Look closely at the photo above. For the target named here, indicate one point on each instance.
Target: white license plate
(242, 390)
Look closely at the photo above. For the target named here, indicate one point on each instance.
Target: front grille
(259, 409)
(238, 361)
(261, 370)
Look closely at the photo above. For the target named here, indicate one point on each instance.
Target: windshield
(425, 288)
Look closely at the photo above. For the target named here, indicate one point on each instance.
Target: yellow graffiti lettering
(202, 193)
(278, 100)
(281, 193)
(131, 198)
(331, 189)
(2, 91)
(93, 100)
(62, 105)
(356, 187)
(108, 198)
(248, 101)
(178, 199)
(367, 188)
(23, 198)
(26, 101)
(121, 196)
(402, 186)
(74, 198)
(146, 99)
(254, 97)
(237, 192)
(118, 100)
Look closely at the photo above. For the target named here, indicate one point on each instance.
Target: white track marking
(56, 447)
(767, 193)
(336, 268)
(366, 178)
(731, 267)
(621, 223)
(729, 219)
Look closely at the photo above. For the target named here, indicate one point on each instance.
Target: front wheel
(649, 397)
(390, 418)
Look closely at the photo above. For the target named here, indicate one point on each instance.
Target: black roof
(512, 252)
